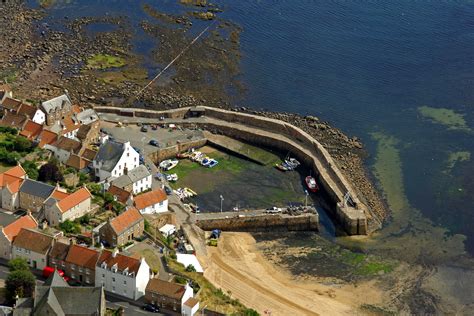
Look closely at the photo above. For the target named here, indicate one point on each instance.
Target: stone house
(10, 183)
(152, 202)
(10, 227)
(89, 133)
(136, 180)
(33, 194)
(81, 264)
(122, 275)
(114, 159)
(168, 295)
(70, 207)
(123, 228)
(56, 108)
(32, 246)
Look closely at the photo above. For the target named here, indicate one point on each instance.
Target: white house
(70, 207)
(114, 159)
(136, 180)
(152, 202)
(122, 275)
(190, 307)
(168, 230)
(10, 182)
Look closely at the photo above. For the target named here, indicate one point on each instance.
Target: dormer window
(125, 272)
(114, 268)
(103, 265)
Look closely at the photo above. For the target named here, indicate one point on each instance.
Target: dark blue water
(365, 66)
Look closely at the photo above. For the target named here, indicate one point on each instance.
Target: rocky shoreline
(52, 57)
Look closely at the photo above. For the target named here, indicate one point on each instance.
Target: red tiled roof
(128, 218)
(191, 302)
(76, 108)
(77, 162)
(27, 110)
(122, 261)
(89, 154)
(13, 120)
(33, 240)
(12, 230)
(69, 125)
(59, 195)
(11, 104)
(168, 289)
(74, 199)
(149, 198)
(16, 171)
(31, 130)
(47, 137)
(82, 256)
(121, 195)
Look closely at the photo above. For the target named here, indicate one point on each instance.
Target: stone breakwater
(257, 129)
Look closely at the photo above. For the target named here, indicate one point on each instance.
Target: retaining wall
(307, 222)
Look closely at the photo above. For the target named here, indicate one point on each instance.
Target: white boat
(168, 164)
(172, 177)
(292, 162)
(206, 161)
(212, 163)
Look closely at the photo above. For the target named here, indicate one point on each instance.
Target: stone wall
(277, 222)
(171, 151)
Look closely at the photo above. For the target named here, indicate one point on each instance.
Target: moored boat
(311, 184)
(212, 163)
(168, 164)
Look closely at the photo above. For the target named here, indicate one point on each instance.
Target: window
(125, 282)
(73, 267)
(113, 279)
(113, 288)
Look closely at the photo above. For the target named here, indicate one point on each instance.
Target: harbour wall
(277, 222)
(277, 134)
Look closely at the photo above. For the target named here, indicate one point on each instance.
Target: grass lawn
(151, 258)
(4, 167)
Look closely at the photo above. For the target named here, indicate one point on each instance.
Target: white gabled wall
(129, 159)
(142, 185)
(39, 117)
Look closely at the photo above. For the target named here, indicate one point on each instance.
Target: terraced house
(33, 194)
(33, 246)
(10, 227)
(136, 180)
(122, 275)
(10, 183)
(81, 264)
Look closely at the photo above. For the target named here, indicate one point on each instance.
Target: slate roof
(6, 219)
(63, 299)
(168, 289)
(37, 188)
(138, 173)
(56, 103)
(33, 240)
(109, 154)
(126, 220)
(87, 116)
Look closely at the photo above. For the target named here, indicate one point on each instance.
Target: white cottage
(114, 159)
(152, 202)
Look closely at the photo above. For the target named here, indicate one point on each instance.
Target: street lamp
(306, 198)
(222, 200)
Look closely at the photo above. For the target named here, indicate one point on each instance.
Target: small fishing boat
(168, 164)
(195, 155)
(281, 167)
(292, 162)
(212, 163)
(172, 177)
(190, 192)
(206, 161)
(311, 184)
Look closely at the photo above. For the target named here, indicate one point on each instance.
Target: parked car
(168, 190)
(154, 127)
(154, 143)
(151, 308)
(144, 129)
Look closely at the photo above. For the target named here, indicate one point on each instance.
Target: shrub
(21, 283)
(50, 172)
(70, 227)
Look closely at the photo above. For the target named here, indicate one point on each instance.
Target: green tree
(95, 189)
(190, 268)
(18, 264)
(250, 312)
(22, 144)
(50, 172)
(21, 283)
(31, 169)
(70, 227)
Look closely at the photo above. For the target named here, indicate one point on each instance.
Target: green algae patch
(374, 267)
(445, 117)
(105, 61)
(456, 157)
(410, 236)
